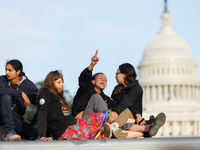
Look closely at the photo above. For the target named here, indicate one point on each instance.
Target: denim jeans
(26, 131)
(6, 116)
(13, 122)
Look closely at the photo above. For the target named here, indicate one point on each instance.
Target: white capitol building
(168, 76)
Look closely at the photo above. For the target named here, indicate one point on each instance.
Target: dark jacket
(130, 97)
(26, 86)
(85, 91)
(51, 118)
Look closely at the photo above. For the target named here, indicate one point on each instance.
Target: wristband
(141, 121)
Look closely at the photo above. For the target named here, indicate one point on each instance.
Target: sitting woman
(128, 94)
(90, 97)
(91, 92)
(53, 118)
(53, 115)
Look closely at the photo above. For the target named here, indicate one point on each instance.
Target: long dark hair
(130, 73)
(17, 65)
(49, 84)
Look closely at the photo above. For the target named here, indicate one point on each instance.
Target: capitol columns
(165, 92)
(177, 92)
(171, 92)
(160, 93)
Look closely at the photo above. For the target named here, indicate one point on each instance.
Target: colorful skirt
(87, 128)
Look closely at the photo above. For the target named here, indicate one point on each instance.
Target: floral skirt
(87, 128)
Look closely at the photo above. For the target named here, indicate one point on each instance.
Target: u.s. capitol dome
(168, 76)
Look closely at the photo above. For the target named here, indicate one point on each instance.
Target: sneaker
(107, 130)
(12, 137)
(159, 121)
(118, 133)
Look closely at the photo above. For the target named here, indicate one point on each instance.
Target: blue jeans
(13, 122)
(6, 116)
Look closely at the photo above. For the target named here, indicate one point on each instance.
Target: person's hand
(143, 123)
(113, 115)
(94, 60)
(46, 139)
(26, 100)
(26, 121)
(139, 118)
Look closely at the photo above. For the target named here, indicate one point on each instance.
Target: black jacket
(85, 91)
(130, 97)
(51, 118)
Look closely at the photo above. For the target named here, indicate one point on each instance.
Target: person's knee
(128, 113)
(96, 96)
(97, 101)
(6, 99)
(94, 99)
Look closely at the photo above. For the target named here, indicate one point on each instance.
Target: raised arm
(94, 61)
(86, 74)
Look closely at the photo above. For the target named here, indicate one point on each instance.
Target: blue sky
(64, 35)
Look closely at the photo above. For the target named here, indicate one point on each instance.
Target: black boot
(151, 119)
